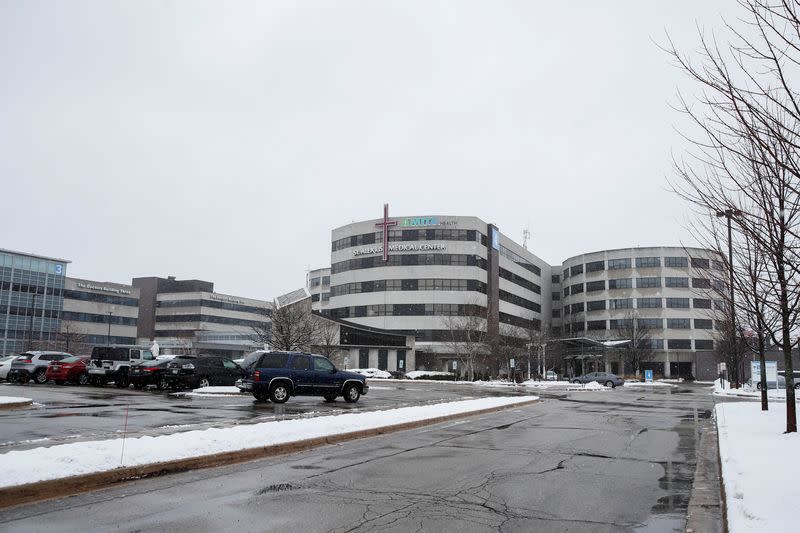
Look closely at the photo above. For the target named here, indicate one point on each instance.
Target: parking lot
(73, 413)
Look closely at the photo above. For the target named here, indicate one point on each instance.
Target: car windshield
(73, 359)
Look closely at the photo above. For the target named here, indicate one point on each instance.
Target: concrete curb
(704, 512)
(15, 405)
(59, 488)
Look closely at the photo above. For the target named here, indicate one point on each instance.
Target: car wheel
(83, 379)
(203, 382)
(40, 377)
(610, 384)
(576, 381)
(162, 384)
(330, 398)
(797, 386)
(279, 393)
(758, 386)
(351, 393)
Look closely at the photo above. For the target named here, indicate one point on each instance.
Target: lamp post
(108, 335)
(729, 214)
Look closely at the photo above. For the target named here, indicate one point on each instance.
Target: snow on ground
(5, 400)
(545, 384)
(723, 388)
(64, 460)
(218, 390)
(758, 467)
(414, 374)
(650, 384)
(371, 372)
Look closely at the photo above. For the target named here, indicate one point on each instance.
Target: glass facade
(31, 300)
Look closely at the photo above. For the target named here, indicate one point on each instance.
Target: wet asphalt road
(620, 460)
(70, 413)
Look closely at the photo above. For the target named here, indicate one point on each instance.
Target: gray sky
(224, 140)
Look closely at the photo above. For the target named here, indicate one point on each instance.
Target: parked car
(770, 384)
(201, 371)
(603, 378)
(795, 375)
(112, 363)
(68, 369)
(550, 376)
(149, 373)
(5, 365)
(33, 365)
(278, 375)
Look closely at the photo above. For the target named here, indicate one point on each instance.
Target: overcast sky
(224, 140)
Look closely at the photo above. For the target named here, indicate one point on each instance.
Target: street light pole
(108, 335)
(729, 214)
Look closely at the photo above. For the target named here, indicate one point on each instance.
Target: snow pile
(64, 460)
(6, 400)
(217, 390)
(371, 372)
(414, 374)
(758, 467)
(545, 384)
(723, 388)
(648, 384)
(593, 385)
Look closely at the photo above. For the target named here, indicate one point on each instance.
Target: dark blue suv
(278, 375)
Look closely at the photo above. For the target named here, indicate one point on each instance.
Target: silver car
(33, 365)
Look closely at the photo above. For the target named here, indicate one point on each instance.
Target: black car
(149, 373)
(193, 372)
(278, 375)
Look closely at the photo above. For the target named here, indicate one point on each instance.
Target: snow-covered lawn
(759, 467)
(723, 388)
(64, 460)
(414, 374)
(371, 372)
(10, 400)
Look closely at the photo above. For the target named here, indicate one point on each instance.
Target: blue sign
(59, 270)
(648, 376)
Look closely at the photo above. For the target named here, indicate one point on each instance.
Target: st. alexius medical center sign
(413, 222)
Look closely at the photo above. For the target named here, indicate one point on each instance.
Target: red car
(69, 369)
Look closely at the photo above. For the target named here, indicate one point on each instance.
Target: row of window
(26, 288)
(357, 311)
(428, 284)
(215, 304)
(642, 262)
(210, 319)
(649, 323)
(99, 318)
(519, 280)
(409, 260)
(325, 297)
(405, 235)
(316, 282)
(644, 303)
(520, 301)
(643, 283)
(521, 261)
(30, 263)
(30, 311)
(100, 298)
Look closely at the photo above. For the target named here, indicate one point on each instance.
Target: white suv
(112, 363)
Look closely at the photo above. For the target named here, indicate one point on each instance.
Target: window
(717, 265)
(701, 303)
(676, 262)
(648, 303)
(576, 289)
(648, 262)
(703, 344)
(577, 308)
(703, 323)
(616, 264)
(575, 270)
(678, 283)
(678, 303)
(621, 323)
(701, 283)
(679, 344)
(230, 365)
(565, 273)
(555, 278)
(274, 360)
(556, 296)
(678, 323)
(593, 286)
(621, 303)
(623, 283)
(301, 363)
(650, 323)
(700, 263)
(566, 291)
(322, 365)
(596, 305)
(648, 283)
(594, 325)
(556, 313)
(595, 266)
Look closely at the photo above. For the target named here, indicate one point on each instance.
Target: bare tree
(639, 347)
(72, 338)
(291, 327)
(512, 344)
(467, 338)
(746, 163)
(327, 337)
